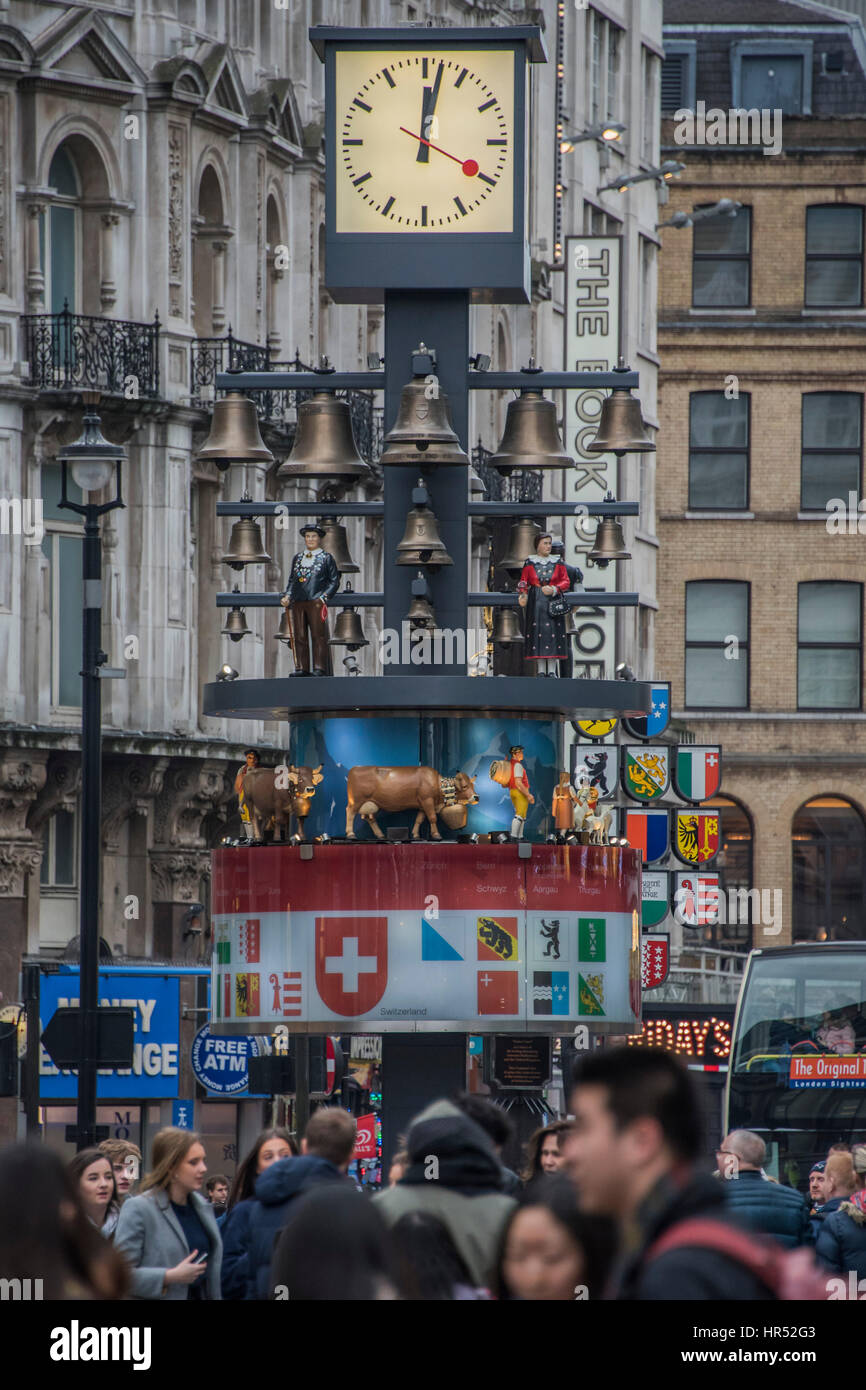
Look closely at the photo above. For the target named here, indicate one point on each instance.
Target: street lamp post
(92, 461)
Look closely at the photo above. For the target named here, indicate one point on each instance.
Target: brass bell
(421, 614)
(245, 545)
(422, 434)
(531, 436)
(336, 544)
(609, 543)
(521, 543)
(236, 622)
(621, 429)
(234, 434)
(477, 485)
(571, 628)
(324, 444)
(421, 543)
(348, 631)
(284, 631)
(506, 628)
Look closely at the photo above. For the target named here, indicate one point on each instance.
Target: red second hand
(469, 166)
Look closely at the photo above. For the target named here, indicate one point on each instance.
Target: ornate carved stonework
(60, 792)
(22, 777)
(191, 790)
(176, 176)
(17, 859)
(129, 788)
(177, 874)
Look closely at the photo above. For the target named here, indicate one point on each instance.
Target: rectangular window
(834, 257)
(58, 868)
(718, 452)
(772, 82)
(829, 638)
(596, 39)
(832, 448)
(647, 293)
(62, 546)
(717, 645)
(678, 76)
(721, 261)
(650, 76)
(613, 37)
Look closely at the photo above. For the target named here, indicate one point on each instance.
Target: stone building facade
(161, 218)
(761, 404)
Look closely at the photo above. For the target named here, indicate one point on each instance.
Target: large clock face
(424, 141)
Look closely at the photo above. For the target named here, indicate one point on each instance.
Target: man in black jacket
(635, 1139)
(313, 581)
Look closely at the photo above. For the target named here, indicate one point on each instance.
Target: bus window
(794, 1004)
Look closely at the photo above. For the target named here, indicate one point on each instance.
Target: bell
(234, 434)
(324, 444)
(531, 436)
(621, 429)
(284, 631)
(571, 628)
(336, 544)
(521, 543)
(245, 545)
(421, 614)
(421, 544)
(476, 483)
(422, 434)
(506, 628)
(348, 631)
(236, 623)
(609, 543)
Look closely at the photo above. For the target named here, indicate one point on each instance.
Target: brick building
(761, 317)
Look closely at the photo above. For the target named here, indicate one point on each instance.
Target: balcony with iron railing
(523, 485)
(83, 352)
(277, 409)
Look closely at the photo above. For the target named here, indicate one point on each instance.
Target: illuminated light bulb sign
(703, 1039)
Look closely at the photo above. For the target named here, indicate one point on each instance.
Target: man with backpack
(632, 1149)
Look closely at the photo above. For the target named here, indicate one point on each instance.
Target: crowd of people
(616, 1202)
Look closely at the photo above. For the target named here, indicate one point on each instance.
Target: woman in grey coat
(168, 1233)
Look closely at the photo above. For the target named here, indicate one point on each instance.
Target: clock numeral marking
(497, 142)
(363, 105)
(424, 67)
(362, 179)
(487, 179)
(487, 104)
(464, 73)
(460, 208)
(352, 142)
(423, 215)
(388, 206)
(388, 78)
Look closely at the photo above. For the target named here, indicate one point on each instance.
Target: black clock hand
(428, 107)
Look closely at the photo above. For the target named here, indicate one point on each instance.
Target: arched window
(60, 257)
(733, 863)
(829, 860)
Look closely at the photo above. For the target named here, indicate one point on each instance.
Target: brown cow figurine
(269, 800)
(372, 789)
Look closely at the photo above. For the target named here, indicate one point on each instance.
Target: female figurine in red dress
(544, 578)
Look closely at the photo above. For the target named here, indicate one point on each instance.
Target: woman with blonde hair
(168, 1233)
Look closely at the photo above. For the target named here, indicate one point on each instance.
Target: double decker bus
(797, 1071)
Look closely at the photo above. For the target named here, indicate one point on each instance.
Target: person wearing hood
(840, 1181)
(453, 1174)
(326, 1152)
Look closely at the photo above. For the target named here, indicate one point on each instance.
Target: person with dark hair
(313, 581)
(335, 1247)
(271, 1146)
(550, 1250)
(498, 1127)
(92, 1172)
(326, 1152)
(168, 1232)
(632, 1151)
(45, 1236)
(217, 1193)
(429, 1266)
(543, 1151)
(544, 580)
(453, 1174)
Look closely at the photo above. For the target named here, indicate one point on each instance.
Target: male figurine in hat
(313, 581)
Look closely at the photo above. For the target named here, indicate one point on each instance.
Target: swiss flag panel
(351, 962)
(498, 992)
